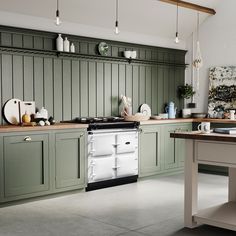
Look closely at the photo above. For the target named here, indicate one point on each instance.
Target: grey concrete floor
(153, 206)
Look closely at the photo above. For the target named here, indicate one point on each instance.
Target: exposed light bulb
(177, 38)
(116, 28)
(58, 21)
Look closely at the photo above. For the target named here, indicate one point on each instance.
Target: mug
(204, 127)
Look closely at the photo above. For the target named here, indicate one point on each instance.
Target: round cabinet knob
(27, 139)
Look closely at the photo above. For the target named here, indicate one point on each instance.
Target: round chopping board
(11, 111)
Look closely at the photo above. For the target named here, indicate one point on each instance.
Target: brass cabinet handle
(27, 138)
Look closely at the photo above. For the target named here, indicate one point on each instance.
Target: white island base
(203, 149)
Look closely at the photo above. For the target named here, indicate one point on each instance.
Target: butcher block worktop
(15, 128)
(197, 135)
(183, 120)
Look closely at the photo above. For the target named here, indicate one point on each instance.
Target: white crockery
(127, 54)
(133, 54)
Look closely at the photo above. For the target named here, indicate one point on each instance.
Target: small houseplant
(186, 91)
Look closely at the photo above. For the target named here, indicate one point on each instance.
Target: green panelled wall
(74, 86)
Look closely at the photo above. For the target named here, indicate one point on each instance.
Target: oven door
(101, 144)
(102, 168)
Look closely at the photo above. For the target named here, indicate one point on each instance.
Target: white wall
(39, 23)
(218, 46)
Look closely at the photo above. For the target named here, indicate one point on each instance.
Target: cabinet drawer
(215, 152)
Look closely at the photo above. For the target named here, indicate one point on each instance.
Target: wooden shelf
(223, 216)
(88, 56)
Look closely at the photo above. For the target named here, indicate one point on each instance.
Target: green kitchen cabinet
(150, 150)
(70, 160)
(160, 154)
(25, 164)
(174, 150)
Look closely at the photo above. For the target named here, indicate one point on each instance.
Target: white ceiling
(146, 17)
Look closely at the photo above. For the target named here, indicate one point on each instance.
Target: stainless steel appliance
(112, 151)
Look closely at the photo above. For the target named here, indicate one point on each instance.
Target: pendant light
(177, 24)
(116, 22)
(198, 62)
(58, 21)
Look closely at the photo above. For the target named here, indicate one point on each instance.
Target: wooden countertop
(197, 135)
(165, 121)
(15, 128)
(186, 120)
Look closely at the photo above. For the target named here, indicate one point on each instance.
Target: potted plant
(186, 92)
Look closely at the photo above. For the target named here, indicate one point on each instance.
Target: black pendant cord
(57, 11)
(117, 13)
(177, 19)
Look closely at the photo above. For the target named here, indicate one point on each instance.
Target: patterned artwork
(222, 90)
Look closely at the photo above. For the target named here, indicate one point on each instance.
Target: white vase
(59, 43)
(72, 48)
(66, 45)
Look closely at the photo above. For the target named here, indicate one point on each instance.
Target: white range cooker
(112, 151)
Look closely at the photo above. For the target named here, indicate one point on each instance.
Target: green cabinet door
(26, 164)
(70, 160)
(174, 149)
(150, 150)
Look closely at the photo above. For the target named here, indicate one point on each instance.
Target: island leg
(232, 184)
(191, 185)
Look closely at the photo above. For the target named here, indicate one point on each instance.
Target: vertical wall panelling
(135, 85)
(1, 102)
(66, 89)
(75, 88)
(83, 48)
(154, 82)
(128, 82)
(27, 41)
(18, 77)
(48, 85)
(17, 40)
(115, 90)
(92, 88)
(6, 77)
(160, 86)
(148, 85)
(166, 84)
(72, 87)
(57, 82)
(38, 42)
(121, 83)
(84, 96)
(100, 90)
(6, 39)
(172, 92)
(107, 89)
(28, 71)
(38, 82)
(142, 83)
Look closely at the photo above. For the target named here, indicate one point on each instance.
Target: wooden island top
(197, 135)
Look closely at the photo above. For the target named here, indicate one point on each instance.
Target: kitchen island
(210, 149)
